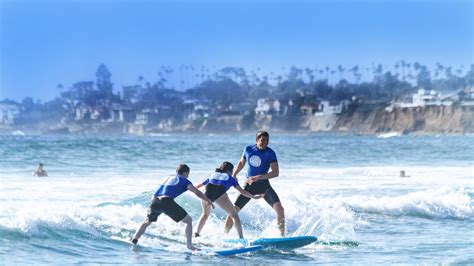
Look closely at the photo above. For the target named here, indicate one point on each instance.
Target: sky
(44, 43)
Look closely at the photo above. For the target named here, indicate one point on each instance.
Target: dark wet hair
(40, 164)
(262, 133)
(182, 168)
(225, 167)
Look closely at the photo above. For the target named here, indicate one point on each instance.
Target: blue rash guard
(258, 161)
(173, 186)
(222, 179)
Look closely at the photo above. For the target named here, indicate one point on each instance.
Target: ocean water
(344, 189)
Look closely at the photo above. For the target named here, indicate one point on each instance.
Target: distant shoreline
(432, 120)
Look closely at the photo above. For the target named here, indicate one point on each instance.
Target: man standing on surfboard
(163, 202)
(259, 159)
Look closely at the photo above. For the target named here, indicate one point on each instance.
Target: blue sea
(343, 189)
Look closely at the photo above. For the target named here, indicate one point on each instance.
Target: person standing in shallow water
(259, 159)
(40, 171)
(163, 202)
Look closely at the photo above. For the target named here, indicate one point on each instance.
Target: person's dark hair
(225, 167)
(40, 164)
(262, 133)
(182, 168)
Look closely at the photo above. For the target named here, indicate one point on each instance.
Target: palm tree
(355, 72)
(321, 72)
(309, 73)
(341, 72)
(397, 66)
(403, 63)
(60, 87)
(332, 75)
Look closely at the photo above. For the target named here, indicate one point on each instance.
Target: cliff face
(430, 119)
(246, 123)
(363, 119)
(321, 123)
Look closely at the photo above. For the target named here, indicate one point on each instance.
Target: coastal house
(308, 109)
(468, 99)
(325, 108)
(81, 112)
(243, 108)
(120, 113)
(423, 98)
(153, 116)
(130, 94)
(198, 109)
(426, 97)
(267, 106)
(86, 112)
(8, 113)
(147, 116)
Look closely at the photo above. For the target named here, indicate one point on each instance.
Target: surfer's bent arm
(239, 167)
(275, 171)
(201, 195)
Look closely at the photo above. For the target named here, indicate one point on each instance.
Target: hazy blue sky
(45, 43)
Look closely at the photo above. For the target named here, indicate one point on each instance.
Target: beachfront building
(243, 108)
(130, 94)
(468, 99)
(267, 106)
(81, 112)
(423, 98)
(8, 113)
(119, 113)
(147, 116)
(308, 109)
(196, 109)
(426, 97)
(86, 112)
(152, 116)
(325, 108)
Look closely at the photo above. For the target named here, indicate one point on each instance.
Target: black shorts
(213, 192)
(167, 206)
(259, 187)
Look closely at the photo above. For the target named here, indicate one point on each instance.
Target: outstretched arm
(239, 167)
(247, 194)
(201, 195)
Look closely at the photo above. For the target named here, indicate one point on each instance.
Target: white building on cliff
(8, 113)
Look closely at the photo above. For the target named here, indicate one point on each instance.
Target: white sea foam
(433, 203)
(326, 202)
(389, 135)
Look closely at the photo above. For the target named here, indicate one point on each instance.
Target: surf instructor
(259, 159)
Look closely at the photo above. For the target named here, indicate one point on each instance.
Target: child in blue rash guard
(216, 190)
(163, 202)
(259, 159)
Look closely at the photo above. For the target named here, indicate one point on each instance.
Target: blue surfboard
(232, 251)
(285, 242)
